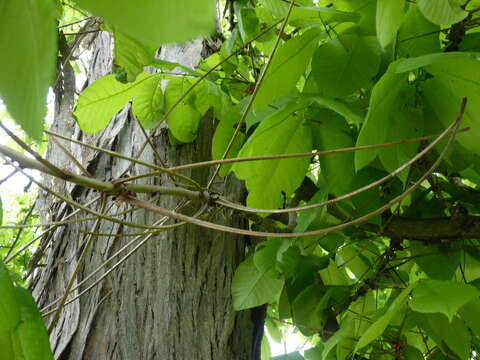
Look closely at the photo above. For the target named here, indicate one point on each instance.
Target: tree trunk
(171, 298)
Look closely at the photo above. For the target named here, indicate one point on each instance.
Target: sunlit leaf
(389, 17)
(9, 310)
(156, 21)
(288, 64)
(281, 133)
(28, 46)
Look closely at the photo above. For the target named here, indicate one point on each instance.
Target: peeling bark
(171, 299)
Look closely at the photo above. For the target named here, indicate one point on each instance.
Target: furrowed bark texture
(171, 299)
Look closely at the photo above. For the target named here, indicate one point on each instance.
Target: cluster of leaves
(347, 73)
(352, 74)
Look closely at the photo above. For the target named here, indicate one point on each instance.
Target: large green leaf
(156, 21)
(131, 55)
(406, 122)
(470, 313)
(184, 120)
(288, 64)
(389, 17)
(379, 326)
(380, 112)
(331, 131)
(442, 12)
(345, 64)
(103, 99)
(446, 297)
(455, 76)
(9, 310)
(308, 308)
(365, 8)
(283, 132)
(148, 105)
(6, 345)
(252, 287)
(412, 40)
(32, 334)
(28, 45)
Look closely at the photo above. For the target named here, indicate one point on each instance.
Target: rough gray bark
(171, 299)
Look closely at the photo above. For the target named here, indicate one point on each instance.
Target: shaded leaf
(446, 297)
(380, 111)
(442, 12)
(412, 40)
(251, 288)
(379, 326)
(345, 64)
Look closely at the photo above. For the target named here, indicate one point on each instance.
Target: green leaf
(442, 12)
(330, 344)
(248, 23)
(265, 351)
(412, 40)
(458, 338)
(380, 112)
(440, 265)
(333, 276)
(280, 133)
(406, 122)
(265, 256)
(6, 346)
(292, 356)
(446, 297)
(131, 55)
(288, 64)
(221, 138)
(331, 131)
(184, 120)
(156, 21)
(470, 313)
(308, 308)
(345, 64)
(103, 99)
(28, 46)
(365, 8)
(1, 212)
(388, 19)
(148, 105)
(251, 288)
(378, 327)
(455, 76)
(9, 310)
(31, 332)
